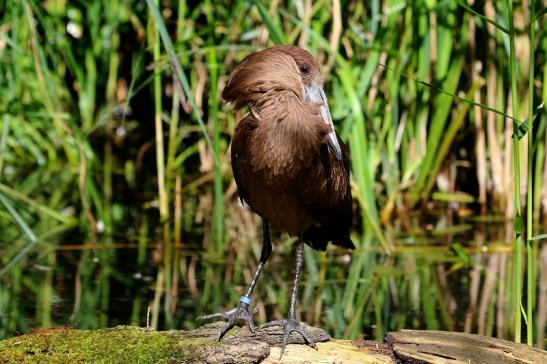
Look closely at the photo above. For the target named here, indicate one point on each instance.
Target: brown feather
(282, 166)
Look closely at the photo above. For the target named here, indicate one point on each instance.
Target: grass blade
(181, 80)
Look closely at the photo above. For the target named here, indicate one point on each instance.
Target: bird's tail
(344, 242)
(318, 238)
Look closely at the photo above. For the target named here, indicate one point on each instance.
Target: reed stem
(517, 274)
(160, 164)
(530, 284)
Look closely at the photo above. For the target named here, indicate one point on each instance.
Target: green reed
(530, 281)
(516, 169)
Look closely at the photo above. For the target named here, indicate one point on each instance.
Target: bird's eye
(304, 68)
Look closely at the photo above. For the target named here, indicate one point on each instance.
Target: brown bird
(289, 164)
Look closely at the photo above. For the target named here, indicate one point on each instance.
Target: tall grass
(423, 92)
(517, 173)
(530, 281)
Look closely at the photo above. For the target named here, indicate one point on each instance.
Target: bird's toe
(240, 313)
(271, 324)
(289, 325)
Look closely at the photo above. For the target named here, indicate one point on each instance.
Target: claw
(289, 325)
(240, 313)
(226, 328)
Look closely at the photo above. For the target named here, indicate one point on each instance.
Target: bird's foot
(240, 313)
(290, 324)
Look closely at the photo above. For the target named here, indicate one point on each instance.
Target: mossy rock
(126, 344)
(119, 344)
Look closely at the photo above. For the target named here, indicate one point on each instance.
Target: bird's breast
(284, 176)
(283, 150)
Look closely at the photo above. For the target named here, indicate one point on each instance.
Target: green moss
(121, 344)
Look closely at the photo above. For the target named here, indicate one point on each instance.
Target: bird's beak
(315, 93)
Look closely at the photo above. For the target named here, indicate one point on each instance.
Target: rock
(418, 346)
(126, 344)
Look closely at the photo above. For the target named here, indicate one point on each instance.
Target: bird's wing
(329, 200)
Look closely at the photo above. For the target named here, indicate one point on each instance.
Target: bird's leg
(291, 324)
(241, 312)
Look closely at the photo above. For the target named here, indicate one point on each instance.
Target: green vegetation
(120, 345)
(113, 136)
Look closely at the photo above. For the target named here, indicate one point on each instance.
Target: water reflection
(445, 277)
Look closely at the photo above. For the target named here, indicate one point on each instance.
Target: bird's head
(280, 68)
(261, 75)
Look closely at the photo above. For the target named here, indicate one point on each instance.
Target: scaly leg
(291, 324)
(241, 312)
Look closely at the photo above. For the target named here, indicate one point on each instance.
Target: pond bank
(127, 344)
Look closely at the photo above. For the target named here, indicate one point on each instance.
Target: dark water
(441, 276)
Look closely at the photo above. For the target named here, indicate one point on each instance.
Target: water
(442, 276)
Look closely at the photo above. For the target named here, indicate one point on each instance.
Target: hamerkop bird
(289, 164)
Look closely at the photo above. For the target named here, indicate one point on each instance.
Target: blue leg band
(246, 300)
